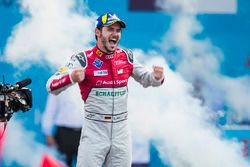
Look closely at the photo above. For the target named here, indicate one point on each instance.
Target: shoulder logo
(82, 59)
(129, 53)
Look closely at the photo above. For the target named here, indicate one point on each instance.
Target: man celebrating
(102, 74)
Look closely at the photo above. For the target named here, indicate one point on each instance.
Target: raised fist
(78, 75)
(158, 72)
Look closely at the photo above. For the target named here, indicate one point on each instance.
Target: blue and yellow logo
(104, 18)
(63, 70)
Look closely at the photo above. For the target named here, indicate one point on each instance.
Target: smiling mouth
(113, 41)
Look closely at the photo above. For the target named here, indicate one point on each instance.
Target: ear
(97, 32)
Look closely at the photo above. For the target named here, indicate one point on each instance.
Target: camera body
(14, 98)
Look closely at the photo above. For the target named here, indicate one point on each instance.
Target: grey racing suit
(105, 136)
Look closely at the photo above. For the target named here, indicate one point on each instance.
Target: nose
(115, 33)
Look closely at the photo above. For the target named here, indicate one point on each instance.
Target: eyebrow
(114, 28)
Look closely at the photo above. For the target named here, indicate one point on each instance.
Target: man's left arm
(147, 78)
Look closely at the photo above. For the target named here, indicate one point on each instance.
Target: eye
(110, 29)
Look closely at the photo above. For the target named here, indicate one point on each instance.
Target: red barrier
(2, 136)
(49, 161)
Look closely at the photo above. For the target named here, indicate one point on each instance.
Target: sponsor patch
(90, 54)
(108, 118)
(101, 73)
(109, 56)
(98, 63)
(108, 82)
(59, 82)
(62, 70)
(99, 53)
(119, 82)
(119, 62)
(98, 83)
(120, 71)
(107, 93)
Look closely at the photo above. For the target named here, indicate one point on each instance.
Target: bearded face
(108, 38)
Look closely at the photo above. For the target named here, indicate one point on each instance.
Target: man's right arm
(73, 72)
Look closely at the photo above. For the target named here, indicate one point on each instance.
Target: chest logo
(120, 71)
(99, 53)
(101, 73)
(98, 63)
(120, 62)
(109, 56)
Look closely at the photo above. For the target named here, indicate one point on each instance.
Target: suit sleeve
(142, 74)
(61, 80)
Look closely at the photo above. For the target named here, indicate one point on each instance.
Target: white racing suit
(105, 136)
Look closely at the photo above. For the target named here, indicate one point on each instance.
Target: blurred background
(199, 117)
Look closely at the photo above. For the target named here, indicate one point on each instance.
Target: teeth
(113, 41)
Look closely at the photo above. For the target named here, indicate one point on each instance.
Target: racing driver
(102, 74)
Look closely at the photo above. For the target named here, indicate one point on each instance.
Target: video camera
(14, 98)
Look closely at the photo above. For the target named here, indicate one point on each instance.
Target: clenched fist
(158, 72)
(78, 75)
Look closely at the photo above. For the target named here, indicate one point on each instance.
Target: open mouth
(113, 41)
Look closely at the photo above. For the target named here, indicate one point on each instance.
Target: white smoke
(237, 94)
(51, 31)
(200, 144)
(200, 53)
(182, 128)
(199, 58)
(20, 146)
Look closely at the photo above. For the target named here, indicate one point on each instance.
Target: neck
(102, 48)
